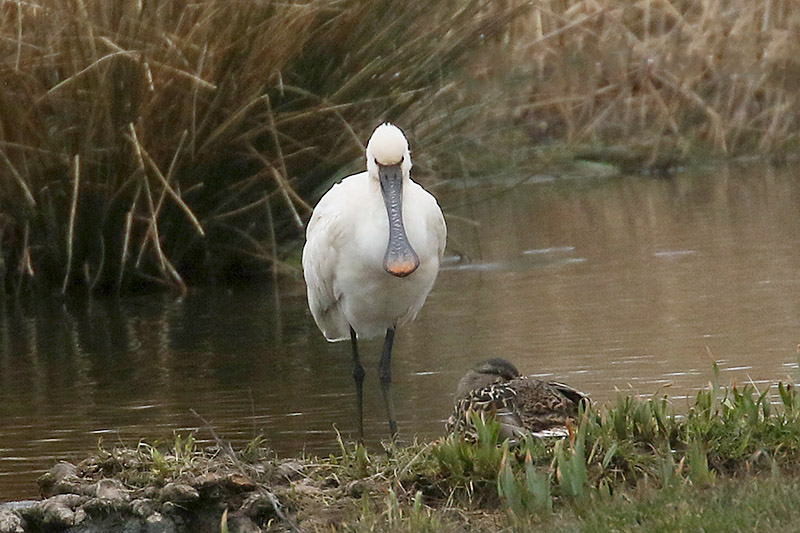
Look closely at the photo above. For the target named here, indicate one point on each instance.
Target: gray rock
(20, 506)
(60, 511)
(158, 523)
(144, 507)
(111, 489)
(79, 515)
(179, 493)
(63, 470)
(11, 522)
(101, 506)
(61, 479)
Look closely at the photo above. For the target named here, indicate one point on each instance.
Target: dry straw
(155, 141)
(664, 78)
(177, 142)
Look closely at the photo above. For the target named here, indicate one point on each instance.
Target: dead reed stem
(73, 212)
(126, 242)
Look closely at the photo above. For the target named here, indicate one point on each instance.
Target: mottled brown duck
(522, 405)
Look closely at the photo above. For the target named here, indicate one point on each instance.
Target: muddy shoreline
(182, 490)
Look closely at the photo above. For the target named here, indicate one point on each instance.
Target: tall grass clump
(173, 142)
(657, 80)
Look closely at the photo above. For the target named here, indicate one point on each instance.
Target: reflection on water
(631, 284)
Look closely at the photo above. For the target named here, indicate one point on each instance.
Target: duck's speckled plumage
(521, 404)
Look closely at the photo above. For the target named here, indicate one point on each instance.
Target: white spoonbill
(372, 252)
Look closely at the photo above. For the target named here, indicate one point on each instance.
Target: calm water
(630, 284)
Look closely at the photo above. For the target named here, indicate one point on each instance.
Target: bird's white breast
(343, 258)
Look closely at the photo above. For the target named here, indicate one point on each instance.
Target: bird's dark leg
(358, 376)
(386, 380)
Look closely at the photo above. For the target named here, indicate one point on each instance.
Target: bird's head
(484, 374)
(497, 366)
(389, 163)
(387, 150)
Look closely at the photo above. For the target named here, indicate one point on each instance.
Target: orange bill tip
(401, 268)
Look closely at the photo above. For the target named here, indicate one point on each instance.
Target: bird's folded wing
(319, 264)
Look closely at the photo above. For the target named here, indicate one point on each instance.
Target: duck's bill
(400, 259)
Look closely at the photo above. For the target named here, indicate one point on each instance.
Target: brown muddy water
(629, 284)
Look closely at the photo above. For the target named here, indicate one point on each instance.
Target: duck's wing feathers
(573, 395)
(545, 406)
(497, 400)
(522, 406)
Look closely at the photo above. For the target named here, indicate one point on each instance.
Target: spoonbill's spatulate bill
(372, 252)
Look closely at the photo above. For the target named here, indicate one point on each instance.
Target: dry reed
(663, 78)
(178, 142)
(152, 142)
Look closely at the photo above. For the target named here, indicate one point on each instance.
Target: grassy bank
(727, 463)
(176, 143)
